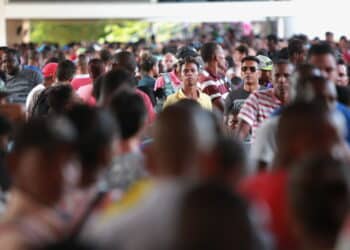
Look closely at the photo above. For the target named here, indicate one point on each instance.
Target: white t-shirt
(32, 97)
(264, 146)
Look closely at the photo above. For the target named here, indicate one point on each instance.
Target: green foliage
(65, 32)
(126, 31)
(103, 31)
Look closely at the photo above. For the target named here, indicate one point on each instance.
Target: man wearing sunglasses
(261, 104)
(250, 74)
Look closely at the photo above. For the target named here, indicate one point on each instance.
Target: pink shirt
(160, 83)
(85, 93)
(80, 80)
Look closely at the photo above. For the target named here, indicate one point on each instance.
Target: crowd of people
(231, 144)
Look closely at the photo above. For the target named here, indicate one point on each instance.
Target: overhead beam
(185, 12)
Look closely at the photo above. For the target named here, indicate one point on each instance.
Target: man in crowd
(211, 79)
(189, 69)
(262, 103)
(19, 81)
(250, 74)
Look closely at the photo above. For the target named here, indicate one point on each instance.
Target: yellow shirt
(203, 99)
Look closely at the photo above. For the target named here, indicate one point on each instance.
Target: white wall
(2, 23)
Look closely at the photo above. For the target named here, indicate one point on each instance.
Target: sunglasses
(252, 69)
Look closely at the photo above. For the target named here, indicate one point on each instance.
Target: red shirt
(80, 80)
(270, 190)
(150, 111)
(85, 93)
(213, 85)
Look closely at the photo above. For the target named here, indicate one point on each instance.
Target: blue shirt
(346, 113)
(147, 81)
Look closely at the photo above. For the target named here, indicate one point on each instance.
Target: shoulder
(30, 72)
(204, 96)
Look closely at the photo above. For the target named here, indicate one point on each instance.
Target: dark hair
(208, 51)
(33, 55)
(82, 60)
(272, 38)
(243, 49)
(230, 228)
(129, 110)
(58, 97)
(105, 56)
(15, 53)
(341, 62)
(321, 48)
(343, 93)
(301, 117)
(67, 245)
(96, 87)
(230, 154)
(229, 61)
(319, 196)
(44, 133)
(65, 70)
(262, 52)
(95, 128)
(125, 60)
(95, 67)
(250, 58)
(52, 60)
(147, 62)
(186, 51)
(283, 54)
(188, 60)
(295, 46)
(3, 48)
(5, 125)
(113, 80)
(281, 61)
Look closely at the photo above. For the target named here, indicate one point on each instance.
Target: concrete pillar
(18, 31)
(289, 26)
(2, 23)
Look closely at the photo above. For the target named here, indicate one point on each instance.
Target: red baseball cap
(49, 69)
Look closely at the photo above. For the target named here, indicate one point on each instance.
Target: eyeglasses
(245, 68)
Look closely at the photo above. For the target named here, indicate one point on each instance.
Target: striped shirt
(258, 107)
(212, 85)
(21, 84)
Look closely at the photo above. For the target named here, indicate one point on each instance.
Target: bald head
(183, 132)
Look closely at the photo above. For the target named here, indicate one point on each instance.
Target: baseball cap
(49, 69)
(265, 63)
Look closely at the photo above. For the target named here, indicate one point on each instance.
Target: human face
(250, 72)
(189, 75)
(342, 79)
(326, 64)
(220, 58)
(232, 121)
(281, 80)
(168, 62)
(11, 63)
(265, 77)
(301, 57)
(238, 56)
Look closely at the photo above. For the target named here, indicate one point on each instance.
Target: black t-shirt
(235, 99)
